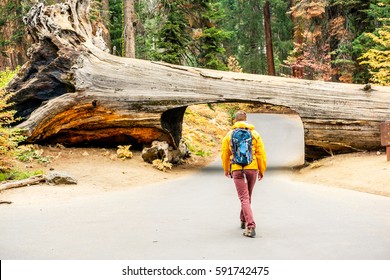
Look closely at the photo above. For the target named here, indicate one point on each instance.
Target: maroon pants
(244, 188)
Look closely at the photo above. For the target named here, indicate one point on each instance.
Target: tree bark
(129, 28)
(12, 51)
(73, 92)
(106, 22)
(268, 39)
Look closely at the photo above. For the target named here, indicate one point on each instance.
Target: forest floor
(366, 172)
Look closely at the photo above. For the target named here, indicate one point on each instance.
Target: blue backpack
(241, 145)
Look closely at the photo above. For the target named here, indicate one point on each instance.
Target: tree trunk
(129, 28)
(72, 92)
(106, 12)
(268, 39)
(106, 21)
(12, 50)
(297, 68)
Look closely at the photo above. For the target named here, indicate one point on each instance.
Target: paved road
(283, 137)
(197, 218)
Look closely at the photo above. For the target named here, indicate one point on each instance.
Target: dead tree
(73, 91)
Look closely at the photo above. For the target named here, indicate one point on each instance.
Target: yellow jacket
(259, 157)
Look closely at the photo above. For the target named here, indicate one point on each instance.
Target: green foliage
(6, 76)
(147, 29)
(173, 38)
(282, 30)
(375, 49)
(182, 32)
(212, 53)
(18, 174)
(30, 153)
(116, 26)
(251, 38)
(203, 33)
(9, 138)
(244, 20)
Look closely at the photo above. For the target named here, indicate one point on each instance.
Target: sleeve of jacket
(226, 153)
(260, 154)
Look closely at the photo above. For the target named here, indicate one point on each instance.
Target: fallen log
(34, 180)
(72, 91)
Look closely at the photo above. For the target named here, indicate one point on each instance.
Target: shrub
(9, 137)
(29, 153)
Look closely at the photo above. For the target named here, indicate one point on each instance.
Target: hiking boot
(250, 232)
(243, 225)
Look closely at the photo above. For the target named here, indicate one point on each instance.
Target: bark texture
(73, 92)
(129, 32)
(268, 38)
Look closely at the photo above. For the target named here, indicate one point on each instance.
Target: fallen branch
(23, 183)
(5, 202)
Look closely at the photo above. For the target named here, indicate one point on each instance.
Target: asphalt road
(283, 137)
(197, 218)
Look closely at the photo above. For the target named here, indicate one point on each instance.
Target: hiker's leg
(243, 195)
(251, 176)
(242, 216)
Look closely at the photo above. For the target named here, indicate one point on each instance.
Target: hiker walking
(244, 160)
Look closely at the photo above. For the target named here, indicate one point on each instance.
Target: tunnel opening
(205, 125)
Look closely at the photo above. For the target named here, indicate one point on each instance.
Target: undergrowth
(16, 174)
(204, 127)
(11, 137)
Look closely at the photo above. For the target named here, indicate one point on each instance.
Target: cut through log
(73, 92)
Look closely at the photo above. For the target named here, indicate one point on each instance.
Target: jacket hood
(242, 124)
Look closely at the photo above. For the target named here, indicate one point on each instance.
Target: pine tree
(347, 20)
(209, 37)
(116, 26)
(244, 19)
(251, 41)
(377, 57)
(173, 38)
(187, 33)
(282, 33)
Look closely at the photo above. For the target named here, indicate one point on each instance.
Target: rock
(158, 150)
(176, 156)
(161, 150)
(59, 178)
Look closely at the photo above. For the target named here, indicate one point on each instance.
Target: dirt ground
(366, 172)
(99, 171)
